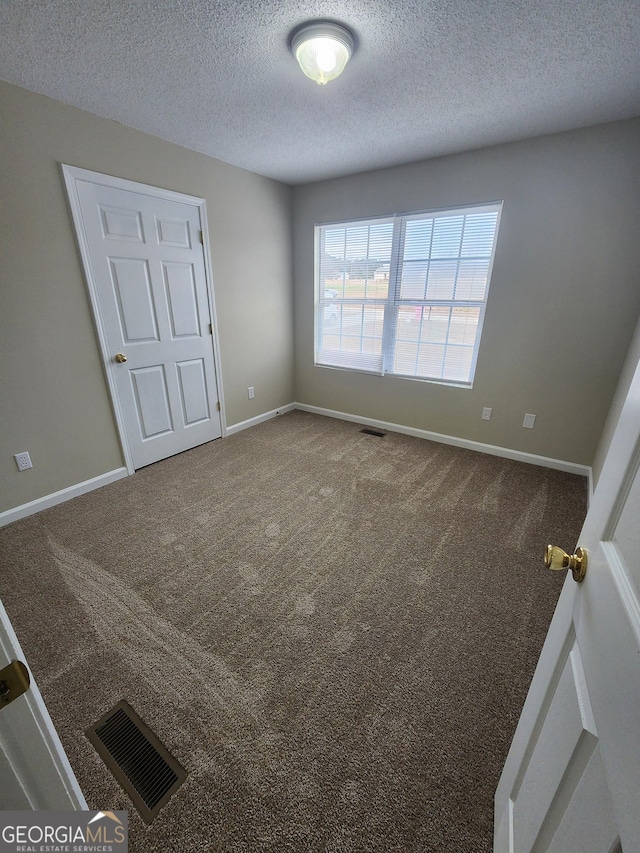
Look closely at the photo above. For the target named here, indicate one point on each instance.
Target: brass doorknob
(121, 358)
(555, 559)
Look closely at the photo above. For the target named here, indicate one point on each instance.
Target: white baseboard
(491, 449)
(39, 504)
(265, 416)
(32, 507)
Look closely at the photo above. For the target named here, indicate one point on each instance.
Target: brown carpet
(333, 633)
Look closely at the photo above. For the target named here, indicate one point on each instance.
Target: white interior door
(571, 781)
(34, 770)
(145, 264)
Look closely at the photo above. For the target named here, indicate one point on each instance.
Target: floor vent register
(379, 433)
(143, 766)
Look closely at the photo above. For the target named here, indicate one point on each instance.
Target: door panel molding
(624, 586)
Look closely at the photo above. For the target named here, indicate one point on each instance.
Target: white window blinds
(405, 295)
(352, 293)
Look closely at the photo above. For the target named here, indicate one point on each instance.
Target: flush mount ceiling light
(322, 49)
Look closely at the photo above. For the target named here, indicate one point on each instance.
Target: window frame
(393, 303)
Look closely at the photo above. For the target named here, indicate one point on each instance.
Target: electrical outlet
(529, 421)
(23, 461)
(486, 413)
(252, 392)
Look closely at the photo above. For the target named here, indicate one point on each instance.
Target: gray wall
(564, 297)
(54, 401)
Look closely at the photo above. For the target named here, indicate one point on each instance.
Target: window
(405, 295)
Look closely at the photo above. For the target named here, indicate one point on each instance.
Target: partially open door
(571, 782)
(34, 771)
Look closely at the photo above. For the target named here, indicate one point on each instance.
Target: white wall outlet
(252, 392)
(529, 421)
(23, 461)
(486, 413)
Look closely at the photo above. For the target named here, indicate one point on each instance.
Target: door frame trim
(71, 175)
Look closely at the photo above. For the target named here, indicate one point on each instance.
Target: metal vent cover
(143, 766)
(379, 433)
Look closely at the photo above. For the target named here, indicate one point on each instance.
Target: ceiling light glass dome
(322, 49)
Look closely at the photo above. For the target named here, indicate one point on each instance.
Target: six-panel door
(148, 269)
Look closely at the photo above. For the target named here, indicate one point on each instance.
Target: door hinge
(210, 328)
(14, 681)
(218, 405)
(202, 237)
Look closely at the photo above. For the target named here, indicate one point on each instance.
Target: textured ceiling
(428, 77)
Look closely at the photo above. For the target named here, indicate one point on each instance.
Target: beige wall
(54, 400)
(564, 297)
(563, 304)
(628, 372)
